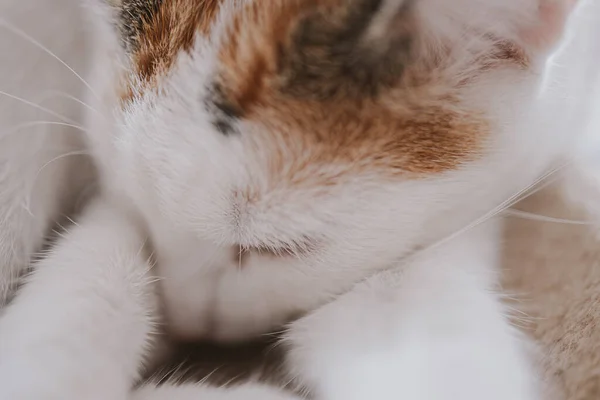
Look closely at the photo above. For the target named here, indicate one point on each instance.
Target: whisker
(69, 154)
(541, 186)
(512, 200)
(34, 105)
(65, 155)
(17, 128)
(31, 40)
(544, 218)
(525, 192)
(70, 97)
(27, 201)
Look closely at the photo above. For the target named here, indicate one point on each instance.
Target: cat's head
(345, 132)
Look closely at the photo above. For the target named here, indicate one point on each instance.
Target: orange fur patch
(421, 133)
(423, 136)
(416, 141)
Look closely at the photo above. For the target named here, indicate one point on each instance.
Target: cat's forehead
(325, 78)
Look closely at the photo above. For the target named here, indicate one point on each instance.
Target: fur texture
(305, 161)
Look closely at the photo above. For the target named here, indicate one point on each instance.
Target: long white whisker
(27, 203)
(31, 40)
(518, 196)
(61, 156)
(17, 128)
(544, 218)
(70, 97)
(34, 105)
(541, 186)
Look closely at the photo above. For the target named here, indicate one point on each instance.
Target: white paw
(354, 349)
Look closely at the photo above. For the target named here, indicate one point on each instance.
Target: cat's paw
(428, 333)
(366, 360)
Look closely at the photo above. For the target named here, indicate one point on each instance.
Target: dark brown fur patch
(328, 53)
(133, 15)
(155, 31)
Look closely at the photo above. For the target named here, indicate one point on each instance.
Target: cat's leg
(434, 330)
(248, 391)
(80, 325)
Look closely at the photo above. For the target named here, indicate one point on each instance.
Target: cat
(334, 167)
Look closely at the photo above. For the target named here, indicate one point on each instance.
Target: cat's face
(327, 138)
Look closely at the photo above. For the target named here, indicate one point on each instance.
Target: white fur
(379, 324)
(434, 330)
(94, 287)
